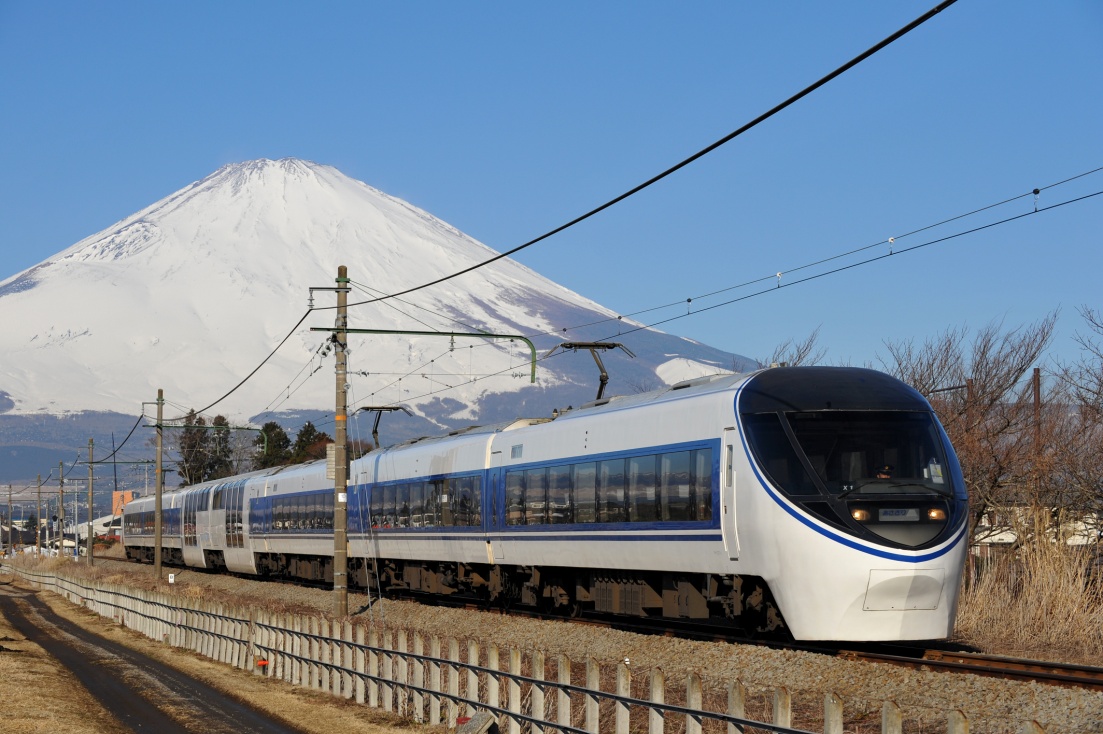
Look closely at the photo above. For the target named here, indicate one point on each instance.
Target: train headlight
(860, 515)
(936, 513)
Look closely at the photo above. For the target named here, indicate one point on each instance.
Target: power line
(255, 370)
(678, 166)
(699, 154)
(810, 278)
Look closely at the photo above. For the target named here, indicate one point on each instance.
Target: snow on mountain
(192, 292)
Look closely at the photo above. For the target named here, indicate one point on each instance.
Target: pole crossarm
(477, 335)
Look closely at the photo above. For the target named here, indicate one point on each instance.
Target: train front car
(857, 503)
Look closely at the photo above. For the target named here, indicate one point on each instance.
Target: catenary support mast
(341, 465)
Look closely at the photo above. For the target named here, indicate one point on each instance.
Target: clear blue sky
(507, 119)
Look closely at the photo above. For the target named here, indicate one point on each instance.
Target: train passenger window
(327, 510)
(611, 491)
(430, 516)
(476, 501)
(390, 506)
(536, 486)
(417, 504)
(676, 497)
(375, 502)
(643, 489)
(515, 498)
(702, 484)
(402, 506)
(464, 504)
(442, 511)
(559, 495)
(585, 492)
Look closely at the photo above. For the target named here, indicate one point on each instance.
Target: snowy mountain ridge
(192, 292)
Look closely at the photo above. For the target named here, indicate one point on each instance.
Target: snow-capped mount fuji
(192, 292)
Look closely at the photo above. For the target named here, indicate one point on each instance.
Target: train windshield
(851, 452)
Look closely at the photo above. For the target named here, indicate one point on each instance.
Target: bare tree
(979, 388)
(1078, 468)
(796, 352)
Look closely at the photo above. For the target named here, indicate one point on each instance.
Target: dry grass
(1044, 601)
(306, 710)
(40, 695)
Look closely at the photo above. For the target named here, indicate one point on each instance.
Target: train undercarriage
(742, 602)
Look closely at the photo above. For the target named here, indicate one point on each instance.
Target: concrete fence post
(737, 704)
(563, 697)
(361, 664)
(300, 648)
(418, 698)
(472, 692)
(514, 690)
(693, 701)
(593, 683)
(832, 714)
(957, 723)
(493, 695)
(326, 655)
(783, 707)
(388, 673)
(373, 667)
(336, 657)
(536, 694)
(435, 680)
(892, 722)
(655, 719)
(453, 682)
(624, 688)
(403, 675)
(312, 652)
(347, 660)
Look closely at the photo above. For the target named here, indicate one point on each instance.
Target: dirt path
(143, 694)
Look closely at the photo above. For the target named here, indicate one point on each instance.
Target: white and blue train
(825, 501)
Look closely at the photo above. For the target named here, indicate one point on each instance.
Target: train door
(728, 479)
(495, 511)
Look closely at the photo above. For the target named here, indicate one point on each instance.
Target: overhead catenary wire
(706, 295)
(636, 189)
(685, 162)
(817, 276)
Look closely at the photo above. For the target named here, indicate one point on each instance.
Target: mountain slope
(191, 293)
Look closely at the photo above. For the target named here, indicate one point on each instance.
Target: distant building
(121, 498)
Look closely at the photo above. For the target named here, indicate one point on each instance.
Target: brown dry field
(41, 696)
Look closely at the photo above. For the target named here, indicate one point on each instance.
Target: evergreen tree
(193, 445)
(310, 444)
(219, 462)
(279, 447)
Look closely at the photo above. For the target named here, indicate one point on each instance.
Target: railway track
(993, 666)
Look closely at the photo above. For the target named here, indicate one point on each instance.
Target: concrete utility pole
(11, 524)
(89, 547)
(38, 519)
(60, 508)
(159, 484)
(341, 467)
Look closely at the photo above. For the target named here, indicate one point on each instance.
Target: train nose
(897, 590)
